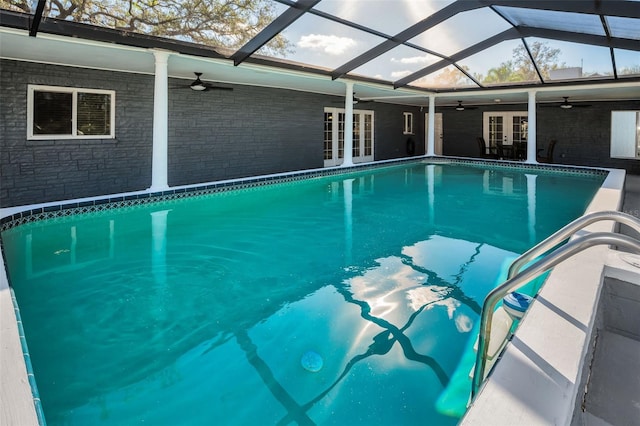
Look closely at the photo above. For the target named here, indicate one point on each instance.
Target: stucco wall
(583, 134)
(213, 135)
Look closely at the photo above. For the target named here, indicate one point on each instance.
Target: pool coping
(19, 399)
(539, 377)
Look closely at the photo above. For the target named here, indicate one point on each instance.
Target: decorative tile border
(132, 201)
(27, 361)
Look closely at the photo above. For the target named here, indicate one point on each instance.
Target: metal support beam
(596, 40)
(505, 35)
(522, 32)
(273, 29)
(37, 17)
(402, 37)
(621, 8)
(532, 59)
(607, 32)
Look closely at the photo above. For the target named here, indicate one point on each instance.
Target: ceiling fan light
(566, 106)
(459, 108)
(198, 85)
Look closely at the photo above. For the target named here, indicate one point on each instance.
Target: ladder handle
(541, 266)
(566, 232)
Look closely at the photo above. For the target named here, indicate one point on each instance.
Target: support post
(159, 164)
(531, 129)
(431, 136)
(348, 126)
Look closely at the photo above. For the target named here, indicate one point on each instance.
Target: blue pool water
(338, 300)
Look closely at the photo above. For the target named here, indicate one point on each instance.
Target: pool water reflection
(199, 311)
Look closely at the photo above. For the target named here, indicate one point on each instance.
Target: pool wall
(19, 400)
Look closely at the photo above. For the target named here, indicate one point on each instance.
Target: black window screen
(94, 114)
(52, 113)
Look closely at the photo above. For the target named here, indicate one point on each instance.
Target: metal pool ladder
(516, 278)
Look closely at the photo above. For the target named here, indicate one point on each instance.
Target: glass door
(506, 133)
(334, 136)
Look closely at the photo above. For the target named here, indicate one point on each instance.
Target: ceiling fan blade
(212, 87)
(458, 107)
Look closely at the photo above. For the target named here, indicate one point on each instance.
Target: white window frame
(31, 88)
(408, 123)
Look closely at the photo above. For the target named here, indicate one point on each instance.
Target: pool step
(501, 324)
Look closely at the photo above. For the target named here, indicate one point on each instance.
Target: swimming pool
(204, 310)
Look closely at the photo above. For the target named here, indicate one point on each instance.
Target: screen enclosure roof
(398, 51)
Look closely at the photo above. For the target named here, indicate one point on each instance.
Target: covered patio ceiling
(398, 51)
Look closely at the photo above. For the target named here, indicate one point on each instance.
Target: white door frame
(363, 140)
(507, 129)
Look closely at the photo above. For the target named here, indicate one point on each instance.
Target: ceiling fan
(201, 86)
(357, 100)
(460, 107)
(567, 105)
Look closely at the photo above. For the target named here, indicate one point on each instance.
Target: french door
(334, 119)
(508, 130)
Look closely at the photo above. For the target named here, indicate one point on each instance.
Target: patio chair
(548, 157)
(482, 146)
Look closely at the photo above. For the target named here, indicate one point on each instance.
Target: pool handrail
(533, 271)
(567, 231)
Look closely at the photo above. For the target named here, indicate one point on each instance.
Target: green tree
(216, 23)
(505, 73)
(452, 77)
(544, 56)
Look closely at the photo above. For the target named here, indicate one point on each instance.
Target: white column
(431, 136)
(159, 167)
(348, 126)
(531, 127)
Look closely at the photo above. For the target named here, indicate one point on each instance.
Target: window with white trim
(70, 113)
(408, 123)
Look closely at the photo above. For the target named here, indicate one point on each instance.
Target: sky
(327, 44)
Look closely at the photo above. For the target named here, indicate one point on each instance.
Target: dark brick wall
(213, 135)
(583, 134)
(252, 130)
(47, 170)
(389, 123)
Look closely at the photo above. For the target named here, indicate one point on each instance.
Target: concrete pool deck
(539, 378)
